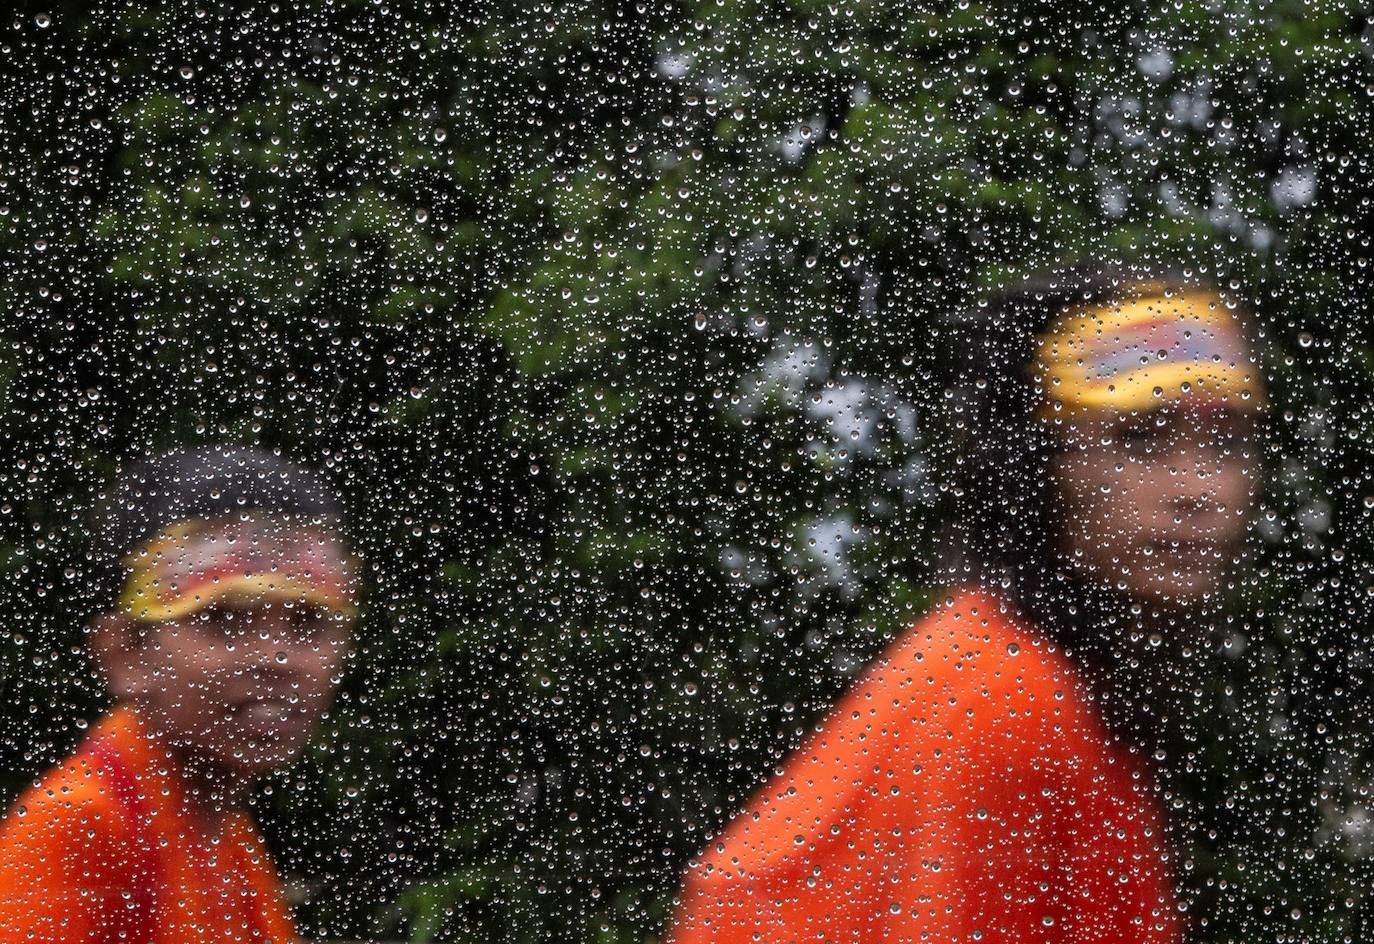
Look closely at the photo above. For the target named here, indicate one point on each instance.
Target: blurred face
(243, 688)
(1156, 503)
(238, 684)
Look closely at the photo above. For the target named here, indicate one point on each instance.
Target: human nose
(272, 638)
(1193, 485)
(1190, 502)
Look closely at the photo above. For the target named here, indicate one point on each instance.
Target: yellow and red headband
(193, 564)
(1142, 352)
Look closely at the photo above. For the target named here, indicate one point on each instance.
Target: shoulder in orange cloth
(962, 791)
(103, 850)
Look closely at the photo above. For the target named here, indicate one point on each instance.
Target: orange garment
(104, 849)
(962, 791)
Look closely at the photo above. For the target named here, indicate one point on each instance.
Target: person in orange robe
(222, 651)
(987, 779)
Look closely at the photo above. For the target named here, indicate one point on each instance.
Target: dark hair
(1004, 517)
(206, 482)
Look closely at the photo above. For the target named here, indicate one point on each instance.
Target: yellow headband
(193, 564)
(1143, 352)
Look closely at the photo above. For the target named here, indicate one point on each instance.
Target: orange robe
(104, 849)
(963, 790)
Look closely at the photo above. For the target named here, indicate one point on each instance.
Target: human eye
(1229, 427)
(309, 619)
(1143, 435)
(217, 620)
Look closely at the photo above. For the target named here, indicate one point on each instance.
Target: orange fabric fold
(82, 862)
(963, 790)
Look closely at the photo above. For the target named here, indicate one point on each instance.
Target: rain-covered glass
(720, 471)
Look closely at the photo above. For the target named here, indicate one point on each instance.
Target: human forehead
(191, 564)
(230, 547)
(278, 534)
(1109, 427)
(1151, 347)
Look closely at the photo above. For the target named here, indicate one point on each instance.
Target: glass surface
(668, 362)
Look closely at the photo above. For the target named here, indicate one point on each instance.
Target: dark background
(623, 328)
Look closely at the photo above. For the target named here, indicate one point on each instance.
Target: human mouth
(1187, 551)
(1197, 548)
(267, 716)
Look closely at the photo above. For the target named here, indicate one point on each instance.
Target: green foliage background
(622, 327)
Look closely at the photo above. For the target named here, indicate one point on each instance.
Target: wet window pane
(686, 472)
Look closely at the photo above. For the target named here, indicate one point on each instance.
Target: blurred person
(222, 649)
(987, 779)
